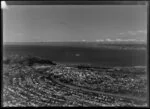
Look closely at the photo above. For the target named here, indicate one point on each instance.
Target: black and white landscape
(74, 55)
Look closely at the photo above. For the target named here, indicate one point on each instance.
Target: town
(43, 83)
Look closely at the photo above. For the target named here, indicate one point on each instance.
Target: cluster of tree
(83, 66)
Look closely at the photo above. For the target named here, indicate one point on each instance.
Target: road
(98, 92)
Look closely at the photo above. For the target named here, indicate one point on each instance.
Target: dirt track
(98, 92)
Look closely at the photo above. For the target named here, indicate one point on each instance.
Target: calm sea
(94, 56)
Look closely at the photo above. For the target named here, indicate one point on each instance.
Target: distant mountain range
(85, 44)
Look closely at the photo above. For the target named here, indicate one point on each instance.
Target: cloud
(137, 32)
(123, 40)
(132, 33)
(109, 40)
(142, 31)
(99, 40)
(129, 40)
(121, 33)
(118, 39)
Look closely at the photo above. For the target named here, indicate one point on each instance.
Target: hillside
(44, 83)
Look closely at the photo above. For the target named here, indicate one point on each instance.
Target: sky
(49, 23)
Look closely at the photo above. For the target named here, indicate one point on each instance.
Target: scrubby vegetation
(26, 60)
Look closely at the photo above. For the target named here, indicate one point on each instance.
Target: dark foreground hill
(26, 60)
